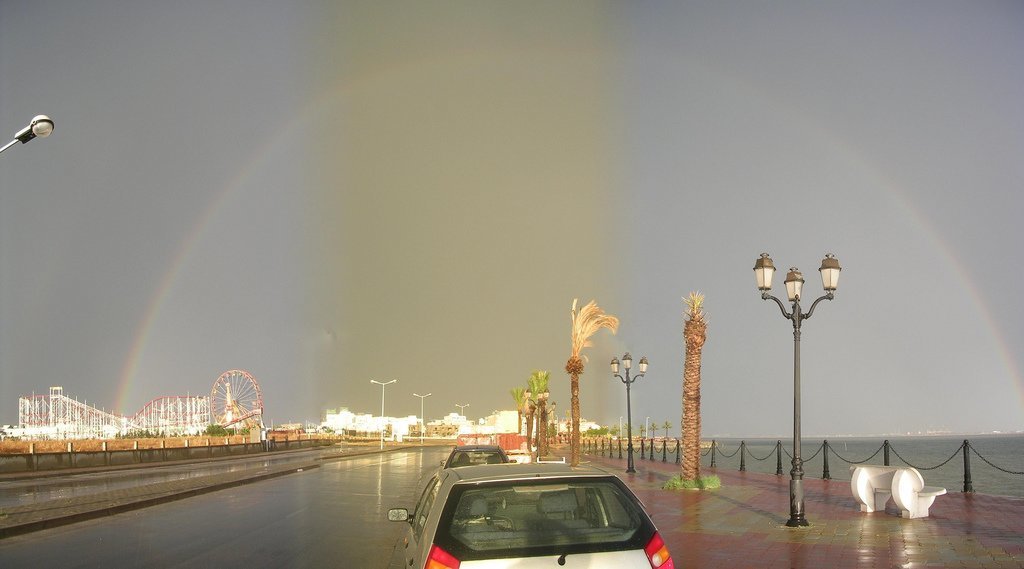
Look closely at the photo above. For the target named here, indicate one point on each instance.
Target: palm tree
(519, 395)
(538, 383)
(529, 407)
(585, 323)
(694, 333)
(666, 425)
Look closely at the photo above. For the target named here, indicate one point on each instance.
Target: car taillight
(658, 553)
(440, 559)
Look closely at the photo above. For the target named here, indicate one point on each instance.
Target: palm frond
(695, 306)
(519, 395)
(586, 322)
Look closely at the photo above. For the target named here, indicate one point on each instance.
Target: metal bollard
(620, 448)
(714, 444)
(968, 485)
(778, 458)
(642, 451)
(743, 456)
(664, 454)
(652, 450)
(679, 458)
(824, 473)
(885, 452)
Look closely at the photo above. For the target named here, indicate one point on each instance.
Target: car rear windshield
(526, 517)
(474, 457)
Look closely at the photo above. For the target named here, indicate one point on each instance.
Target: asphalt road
(332, 516)
(16, 491)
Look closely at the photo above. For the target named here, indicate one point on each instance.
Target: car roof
(513, 471)
(472, 448)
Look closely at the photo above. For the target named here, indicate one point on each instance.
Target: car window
(474, 457)
(423, 506)
(584, 515)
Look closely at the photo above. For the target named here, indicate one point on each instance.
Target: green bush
(704, 483)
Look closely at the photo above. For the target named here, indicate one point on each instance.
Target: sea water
(926, 453)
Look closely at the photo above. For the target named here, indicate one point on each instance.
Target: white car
(527, 516)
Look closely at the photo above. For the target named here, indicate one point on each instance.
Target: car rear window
(474, 457)
(525, 518)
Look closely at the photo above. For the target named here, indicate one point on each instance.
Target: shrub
(704, 483)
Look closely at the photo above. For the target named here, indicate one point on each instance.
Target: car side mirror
(398, 515)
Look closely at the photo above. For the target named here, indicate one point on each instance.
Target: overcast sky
(325, 193)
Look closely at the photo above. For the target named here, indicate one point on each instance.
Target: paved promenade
(742, 524)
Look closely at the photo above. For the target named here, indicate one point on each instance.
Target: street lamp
(763, 270)
(40, 126)
(382, 408)
(462, 409)
(423, 420)
(627, 362)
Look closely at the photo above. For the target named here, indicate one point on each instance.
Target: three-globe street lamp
(382, 407)
(627, 362)
(423, 420)
(763, 270)
(40, 126)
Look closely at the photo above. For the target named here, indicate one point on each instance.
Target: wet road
(332, 516)
(34, 490)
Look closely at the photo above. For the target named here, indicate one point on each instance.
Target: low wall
(73, 456)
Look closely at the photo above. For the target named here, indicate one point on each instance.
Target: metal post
(743, 456)
(714, 444)
(824, 473)
(652, 450)
(630, 469)
(968, 486)
(620, 447)
(778, 458)
(679, 458)
(885, 452)
(643, 449)
(664, 455)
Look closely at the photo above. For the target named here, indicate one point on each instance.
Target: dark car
(472, 455)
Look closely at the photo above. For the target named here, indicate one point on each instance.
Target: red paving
(742, 524)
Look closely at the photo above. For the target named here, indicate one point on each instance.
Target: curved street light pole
(423, 420)
(627, 362)
(763, 270)
(382, 385)
(41, 126)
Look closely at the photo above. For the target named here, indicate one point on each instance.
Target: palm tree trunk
(575, 368)
(542, 428)
(529, 428)
(694, 332)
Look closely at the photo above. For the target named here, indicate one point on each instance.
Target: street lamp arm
(828, 296)
(782, 307)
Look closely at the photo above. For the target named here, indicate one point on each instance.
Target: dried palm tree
(694, 333)
(519, 395)
(538, 383)
(585, 323)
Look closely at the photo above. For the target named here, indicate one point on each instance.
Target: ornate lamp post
(763, 270)
(423, 420)
(627, 362)
(40, 126)
(382, 407)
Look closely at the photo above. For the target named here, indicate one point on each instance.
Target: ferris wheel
(236, 400)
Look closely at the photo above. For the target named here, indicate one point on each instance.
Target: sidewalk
(742, 524)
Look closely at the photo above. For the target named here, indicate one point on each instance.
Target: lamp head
(830, 272)
(40, 126)
(615, 365)
(627, 361)
(643, 365)
(763, 270)
(794, 284)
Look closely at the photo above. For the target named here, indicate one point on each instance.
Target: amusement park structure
(234, 402)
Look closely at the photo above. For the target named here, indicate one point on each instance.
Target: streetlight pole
(763, 270)
(382, 385)
(40, 126)
(462, 409)
(627, 362)
(423, 420)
